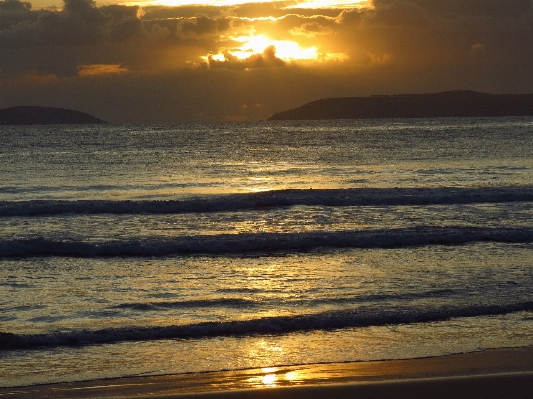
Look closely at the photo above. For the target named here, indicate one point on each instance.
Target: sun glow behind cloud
(285, 49)
(257, 43)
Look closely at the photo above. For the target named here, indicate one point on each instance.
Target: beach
(499, 373)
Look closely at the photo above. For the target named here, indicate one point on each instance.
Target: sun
(285, 49)
(250, 45)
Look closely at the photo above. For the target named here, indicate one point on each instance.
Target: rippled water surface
(130, 250)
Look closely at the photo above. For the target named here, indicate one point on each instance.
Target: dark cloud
(79, 23)
(428, 45)
(13, 12)
(201, 25)
(120, 13)
(405, 13)
(317, 23)
(311, 29)
(61, 42)
(350, 17)
(15, 5)
(456, 8)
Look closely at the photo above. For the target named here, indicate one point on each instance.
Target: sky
(173, 61)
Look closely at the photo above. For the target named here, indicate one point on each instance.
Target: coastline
(496, 373)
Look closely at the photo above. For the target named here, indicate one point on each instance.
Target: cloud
(456, 8)
(15, 5)
(62, 42)
(311, 29)
(79, 23)
(202, 25)
(403, 13)
(429, 32)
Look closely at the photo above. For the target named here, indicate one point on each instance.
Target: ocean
(130, 250)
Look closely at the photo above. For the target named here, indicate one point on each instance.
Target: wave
(228, 244)
(273, 199)
(388, 297)
(360, 317)
(240, 303)
(266, 242)
(200, 303)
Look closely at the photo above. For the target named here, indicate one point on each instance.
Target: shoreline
(495, 373)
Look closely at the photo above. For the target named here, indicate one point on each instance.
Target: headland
(434, 105)
(33, 115)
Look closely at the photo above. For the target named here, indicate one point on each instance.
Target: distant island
(434, 105)
(30, 115)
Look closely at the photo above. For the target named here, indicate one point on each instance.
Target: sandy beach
(501, 373)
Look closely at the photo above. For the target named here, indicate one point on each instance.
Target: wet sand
(501, 373)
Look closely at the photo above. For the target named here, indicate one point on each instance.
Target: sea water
(144, 250)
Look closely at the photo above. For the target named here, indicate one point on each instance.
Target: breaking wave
(229, 244)
(273, 199)
(360, 317)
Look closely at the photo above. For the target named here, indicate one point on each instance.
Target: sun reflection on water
(270, 377)
(292, 376)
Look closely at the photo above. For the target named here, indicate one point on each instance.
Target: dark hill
(29, 115)
(435, 105)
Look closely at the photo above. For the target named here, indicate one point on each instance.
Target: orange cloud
(99, 69)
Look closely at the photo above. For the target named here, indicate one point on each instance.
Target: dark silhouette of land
(30, 115)
(435, 105)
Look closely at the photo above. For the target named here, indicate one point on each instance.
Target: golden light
(216, 57)
(339, 4)
(177, 3)
(256, 44)
(333, 57)
(332, 4)
(269, 379)
(251, 45)
(292, 376)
